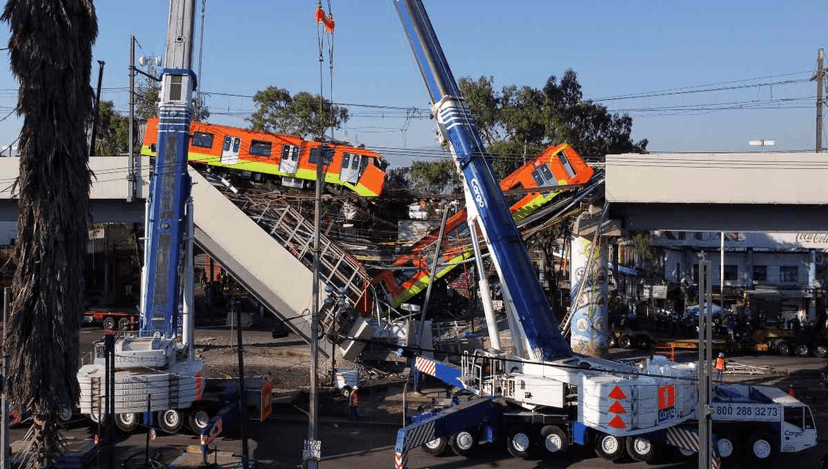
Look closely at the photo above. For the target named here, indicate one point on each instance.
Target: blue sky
(616, 49)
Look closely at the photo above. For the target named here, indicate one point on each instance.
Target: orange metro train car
(558, 165)
(288, 159)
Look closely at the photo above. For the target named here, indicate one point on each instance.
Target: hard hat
(721, 354)
(356, 387)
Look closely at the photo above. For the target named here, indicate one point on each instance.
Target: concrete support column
(590, 325)
(749, 269)
(812, 285)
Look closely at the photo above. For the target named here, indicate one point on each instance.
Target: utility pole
(705, 359)
(820, 79)
(242, 392)
(131, 172)
(101, 63)
(200, 57)
(722, 273)
(524, 151)
(312, 450)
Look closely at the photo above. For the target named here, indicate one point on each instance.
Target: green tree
(516, 117)
(277, 110)
(113, 131)
(51, 56)
(435, 176)
(147, 92)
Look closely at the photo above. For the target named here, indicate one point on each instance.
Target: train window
(314, 155)
(203, 140)
(379, 163)
(227, 142)
(566, 164)
(537, 177)
(355, 162)
(547, 174)
(236, 144)
(346, 159)
(260, 148)
(290, 152)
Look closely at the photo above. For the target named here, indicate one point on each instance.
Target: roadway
(369, 442)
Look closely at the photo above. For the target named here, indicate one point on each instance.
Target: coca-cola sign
(812, 238)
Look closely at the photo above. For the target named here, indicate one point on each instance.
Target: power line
(692, 89)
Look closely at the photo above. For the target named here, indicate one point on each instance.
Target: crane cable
(324, 24)
(331, 64)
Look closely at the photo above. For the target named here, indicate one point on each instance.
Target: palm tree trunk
(51, 55)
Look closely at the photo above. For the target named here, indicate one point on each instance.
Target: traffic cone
(791, 391)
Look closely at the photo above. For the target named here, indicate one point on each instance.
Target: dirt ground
(287, 358)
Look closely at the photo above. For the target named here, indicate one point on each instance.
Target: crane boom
(170, 185)
(486, 203)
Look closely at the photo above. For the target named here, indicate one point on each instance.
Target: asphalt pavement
(369, 443)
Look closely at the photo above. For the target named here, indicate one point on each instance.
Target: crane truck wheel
(519, 443)
(686, 452)
(65, 414)
(761, 448)
(170, 420)
(123, 324)
(109, 324)
(783, 348)
(198, 420)
(726, 445)
(554, 440)
(437, 446)
(463, 443)
(821, 350)
(803, 350)
(609, 447)
(641, 449)
(625, 342)
(126, 422)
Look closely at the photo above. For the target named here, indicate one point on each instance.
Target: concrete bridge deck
(108, 194)
(719, 191)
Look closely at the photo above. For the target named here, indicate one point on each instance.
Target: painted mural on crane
(589, 327)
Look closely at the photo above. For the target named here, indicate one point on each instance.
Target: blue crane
(536, 318)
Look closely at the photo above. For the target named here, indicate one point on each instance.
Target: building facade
(776, 276)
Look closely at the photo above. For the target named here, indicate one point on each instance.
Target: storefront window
(731, 273)
(788, 273)
(760, 273)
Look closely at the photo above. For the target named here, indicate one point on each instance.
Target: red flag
(328, 21)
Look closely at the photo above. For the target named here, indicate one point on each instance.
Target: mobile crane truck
(543, 396)
(547, 396)
(153, 372)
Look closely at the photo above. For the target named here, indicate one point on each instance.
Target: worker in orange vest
(353, 403)
(720, 366)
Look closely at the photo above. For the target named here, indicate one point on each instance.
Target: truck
(541, 394)
(111, 318)
(155, 370)
(760, 421)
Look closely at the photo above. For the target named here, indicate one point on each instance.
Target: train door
(349, 172)
(290, 159)
(230, 150)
